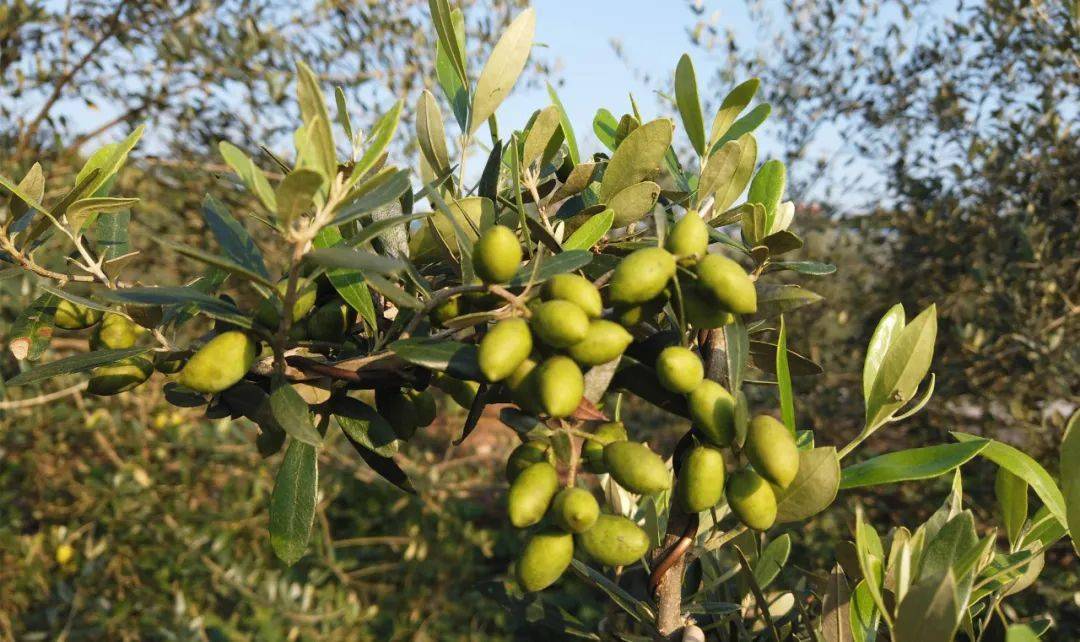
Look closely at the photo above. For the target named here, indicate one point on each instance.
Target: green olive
(700, 484)
(219, 364)
(574, 510)
(560, 385)
(679, 369)
(640, 276)
(592, 451)
(604, 341)
(770, 448)
(577, 290)
(545, 559)
(614, 541)
(114, 333)
(531, 493)
(503, 348)
(636, 468)
(712, 409)
(751, 499)
(559, 324)
(688, 239)
(497, 254)
(121, 376)
(727, 283)
(72, 316)
(527, 454)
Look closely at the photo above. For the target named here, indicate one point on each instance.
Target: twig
(43, 399)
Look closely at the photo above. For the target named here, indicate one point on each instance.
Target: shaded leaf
(632, 203)
(295, 194)
(1070, 477)
(249, 174)
(232, 237)
(774, 300)
(292, 414)
(365, 426)
(835, 608)
(353, 259)
(386, 467)
(68, 365)
(292, 503)
(929, 612)
(430, 133)
(32, 330)
(814, 487)
(454, 358)
(549, 266)
(904, 366)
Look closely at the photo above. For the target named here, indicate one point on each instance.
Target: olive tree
(559, 286)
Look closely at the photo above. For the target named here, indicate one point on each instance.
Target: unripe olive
(560, 385)
(72, 316)
(689, 238)
(462, 392)
(712, 409)
(448, 309)
(147, 316)
(497, 254)
(604, 341)
(630, 316)
(398, 410)
(522, 386)
(592, 451)
(700, 484)
(577, 290)
(701, 311)
(525, 455)
(559, 324)
(574, 510)
(751, 499)
(330, 321)
(679, 369)
(268, 314)
(424, 404)
(636, 468)
(119, 377)
(614, 541)
(771, 449)
(727, 283)
(114, 333)
(219, 364)
(544, 560)
(503, 348)
(641, 275)
(531, 494)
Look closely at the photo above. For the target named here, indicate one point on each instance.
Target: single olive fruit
(522, 386)
(544, 560)
(771, 449)
(72, 316)
(531, 493)
(751, 499)
(604, 341)
(679, 369)
(700, 483)
(614, 541)
(147, 316)
(497, 254)
(560, 385)
(727, 283)
(712, 409)
(577, 290)
(219, 364)
(114, 333)
(527, 454)
(701, 311)
(462, 392)
(448, 309)
(636, 468)
(120, 376)
(269, 314)
(424, 404)
(398, 410)
(641, 275)
(503, 348)
(688, 239)
(592, 451)
(574, 510)
(330, 321)
(559, 324)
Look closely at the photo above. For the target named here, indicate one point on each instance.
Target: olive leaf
(733, 104)
(774, 300)
(375, 193)
(744, 125)
(836, 608)
(632, 203)
(348, 283)
(767, 188)
(904, 366)
(772, 560)
(1011, 493)
(292, 503)
(726, 193)
(1023, 466)
(381, 135)
(218, 261)
(549, 266)
(353, 259)
(930, 612)
(871, 561)
(32, 186)
(543, 137)
(504, 65)
(250, 174)
(907, 465)
(783, 379)
(739, 347)
(591, 231)
(105, 163)
(68, 365)
(292, 413)
(364, 425)
(385, 467)
(604, 126)
(317, 123)
(814, 487)
(864, 614)
(450, 40)
(719, 171)
(689, 104)
(454, 358)
(637, 158)
(295, 194)
(178, 295)
(1070, 477)
(567, 127)
(430, 134)
(885, 334)
(453, 83)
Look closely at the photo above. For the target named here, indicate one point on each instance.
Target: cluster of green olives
(109, 331)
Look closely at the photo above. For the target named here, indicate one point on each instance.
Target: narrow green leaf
(450, 81)
(542, 138)
(783, 379)
(767, 188)
(249, 174)
(381, 135)
(738, 352)
(111, 234)
(232, 237)
(386, 189)
(635, 608)
(292, 413)
(342, 114)
(686, 97)
(106, 162)
(567, 261)
(864, 614)
(365, 426)
(218, 261)
(386, 467)
(348, 283)
(836, 608)
(772, 560)
(504, 65)
(430, 133)
(929, 612)
(354, 259)
(604, 126)
(907, 465)
(591, 231)
(567, 127)
(809, 268)
(871, 561)
(1070, 477)
(448, 39)
(904, 367)
(727, 192)
(885, 334)
(1011, 493)
(774, 300)
(317, 121)
(1027, 469)
(733, 104)
(719, 171)
(744, 125)
(32, 185)
(68, 365)
(455, 359)
(292, 503)
(84, 209)
(209, 305)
